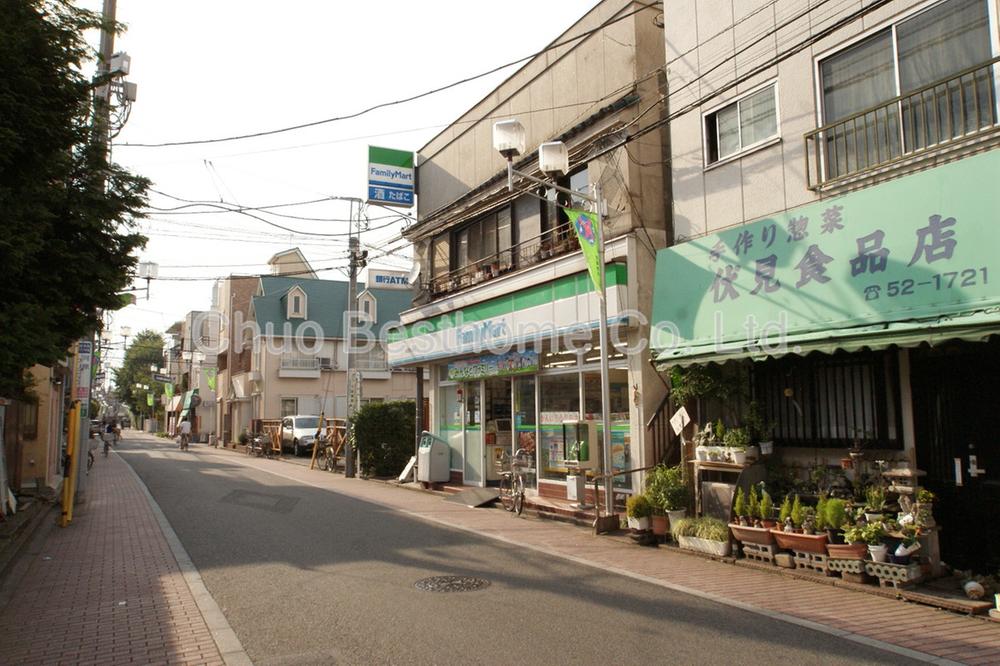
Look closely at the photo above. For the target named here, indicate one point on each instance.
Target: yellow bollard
(73, 448)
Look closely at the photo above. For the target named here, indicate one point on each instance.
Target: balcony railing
(299, 363)
(947, 112)
(552, 243)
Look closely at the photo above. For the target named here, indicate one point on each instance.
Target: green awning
(908, 261)
(975, 327)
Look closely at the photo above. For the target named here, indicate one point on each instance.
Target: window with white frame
(296, 303)
(368, 307)
(741, 125)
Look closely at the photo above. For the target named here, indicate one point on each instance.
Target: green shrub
(821, 513)
(786, 509)
(666, 489)
(740, 505)
(712, 529)
(753, 504)
(385, 437)
(870, 534)
(638, 506)
(685, 527)
(836, 513)
(766, 507)
(797, 514)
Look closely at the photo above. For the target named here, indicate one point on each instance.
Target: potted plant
(908, 545)
(785, 513)
(748, 528)
(740, 508)
(766, 510)
(874, 503)
(705, 535)
(797, 514)
(923, 509)
(736, 441)
(667, 491)
(798, 540)
(835, 518)
(872, 535)
(638, 509)
(760, 429)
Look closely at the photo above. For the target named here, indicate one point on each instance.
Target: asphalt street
(311, 576)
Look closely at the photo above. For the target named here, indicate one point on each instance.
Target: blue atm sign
(390, 177)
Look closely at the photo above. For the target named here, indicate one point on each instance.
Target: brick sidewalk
(919, 631)
(105, 590)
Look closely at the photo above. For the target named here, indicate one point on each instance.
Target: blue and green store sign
(907, 258)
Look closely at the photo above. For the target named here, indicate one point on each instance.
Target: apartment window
(486, 240)
(441, 255)
(296, 303)
(918, 51)
(289, 407)
(372, 359)
(744, 124)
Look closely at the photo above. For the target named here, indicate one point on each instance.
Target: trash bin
(433, 459)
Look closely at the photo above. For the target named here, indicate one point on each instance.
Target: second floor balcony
(948, 114)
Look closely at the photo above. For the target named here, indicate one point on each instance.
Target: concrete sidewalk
(921, 632)
(108, 589)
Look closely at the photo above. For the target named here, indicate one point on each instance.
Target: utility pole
(357, 262)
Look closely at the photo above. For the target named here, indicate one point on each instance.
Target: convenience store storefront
(867, 323)
(522, 371)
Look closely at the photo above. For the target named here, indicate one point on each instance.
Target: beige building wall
(712, 44)
(40, 454)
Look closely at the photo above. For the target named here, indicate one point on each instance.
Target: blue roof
(326, 301)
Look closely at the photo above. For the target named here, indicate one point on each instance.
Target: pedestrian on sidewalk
(184, 430)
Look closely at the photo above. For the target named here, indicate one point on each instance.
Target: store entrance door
(497, 425)
(473, 472)
(956, 408)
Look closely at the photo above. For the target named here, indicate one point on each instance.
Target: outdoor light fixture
(508, 138)
(553, 158)
(121, 63)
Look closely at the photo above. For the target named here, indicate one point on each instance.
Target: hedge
(384, 433)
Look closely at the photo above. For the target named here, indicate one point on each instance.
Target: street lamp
(125, 331)
(553, 158)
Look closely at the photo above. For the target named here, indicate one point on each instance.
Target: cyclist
(184, 430)
(108, 435)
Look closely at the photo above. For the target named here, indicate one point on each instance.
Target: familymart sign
(390, 177)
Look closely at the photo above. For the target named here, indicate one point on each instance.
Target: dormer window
(367, 307)
(296, 303)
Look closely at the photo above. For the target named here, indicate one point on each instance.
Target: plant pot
(878, 552)
(769, 524)
(757, 535)
(766, 448)
(924, 514)
(874, 517)
(638, 524)
(659, 524)
(717, 548)
(847, 551)
(835, 536)
(701, 453)
(753, 452)
(739, 456)
(807, 543)
(674, 516)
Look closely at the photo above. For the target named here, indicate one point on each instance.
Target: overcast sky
(217, 68)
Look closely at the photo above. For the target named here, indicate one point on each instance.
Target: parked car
(298, 433)
(95, 427)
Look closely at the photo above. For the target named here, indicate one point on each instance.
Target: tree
(67, 215)
(146, 350)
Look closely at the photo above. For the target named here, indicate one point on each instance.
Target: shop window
(831, 401)
(618, 380)
(473, 406)
(742, 125)
(560, 401)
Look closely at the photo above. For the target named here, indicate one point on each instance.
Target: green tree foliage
(67, 215)
(385, 436)
(145, 350)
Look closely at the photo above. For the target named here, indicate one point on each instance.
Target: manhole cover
(451, 584)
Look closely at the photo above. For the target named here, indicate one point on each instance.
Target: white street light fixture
(508, 138)
(553, 157)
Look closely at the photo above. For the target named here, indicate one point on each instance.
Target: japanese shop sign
(503, 365)
(390, 177)
(921, 246)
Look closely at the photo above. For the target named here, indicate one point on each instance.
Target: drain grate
(451, 584)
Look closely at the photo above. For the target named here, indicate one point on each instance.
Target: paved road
(310, 576)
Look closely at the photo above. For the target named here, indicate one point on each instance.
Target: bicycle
(512, 469)
(107, 446)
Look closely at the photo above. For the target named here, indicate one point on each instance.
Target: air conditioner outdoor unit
(325, 363)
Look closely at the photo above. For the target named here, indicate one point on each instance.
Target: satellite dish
(415, 272)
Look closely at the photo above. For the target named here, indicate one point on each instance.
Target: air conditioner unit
(325, 363)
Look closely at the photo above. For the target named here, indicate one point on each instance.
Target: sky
(218, 68)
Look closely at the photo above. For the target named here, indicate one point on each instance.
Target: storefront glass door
(497, 424)
(473, 472)
(525, 424)
(450, 415)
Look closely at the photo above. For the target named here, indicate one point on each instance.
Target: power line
(397, 102)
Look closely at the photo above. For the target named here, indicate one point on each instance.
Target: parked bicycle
(326, 456)
(512, 472)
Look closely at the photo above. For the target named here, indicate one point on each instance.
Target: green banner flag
(588, 232)
(210, 376)
(149, 399)
(168, 390)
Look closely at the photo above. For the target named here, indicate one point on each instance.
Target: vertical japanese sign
(390, 177)
(921, 246)
(211, 374)
(588, 232)
(84, 356)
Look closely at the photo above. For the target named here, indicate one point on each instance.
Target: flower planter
(739, 457)
(757, 535)
(717, 548)
(659, 524)
(674, 516)
(835, 536)
(701, 453)
(806, 543)
(847, 551)
(878, 552)
(766, 448)
(638, 524)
